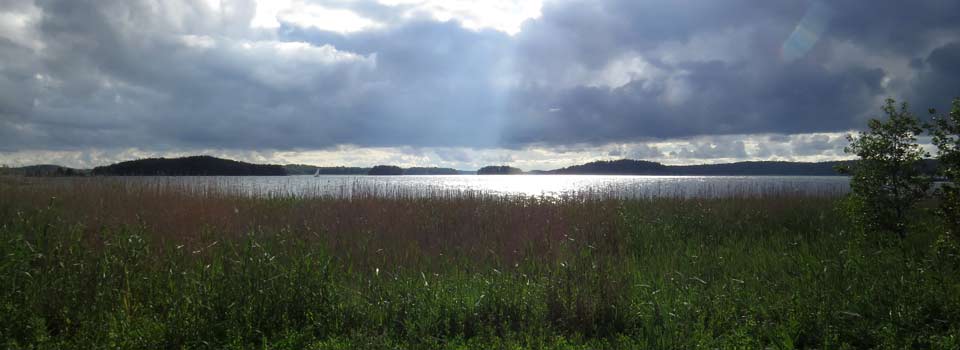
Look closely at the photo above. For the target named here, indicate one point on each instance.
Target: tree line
(188, 166)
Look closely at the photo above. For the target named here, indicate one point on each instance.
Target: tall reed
(99, 263)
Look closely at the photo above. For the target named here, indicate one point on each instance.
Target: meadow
(95, 263)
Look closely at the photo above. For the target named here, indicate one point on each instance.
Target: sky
(463, 84)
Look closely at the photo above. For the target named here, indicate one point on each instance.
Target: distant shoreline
(212, 166)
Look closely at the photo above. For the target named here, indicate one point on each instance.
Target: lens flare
(807, 33)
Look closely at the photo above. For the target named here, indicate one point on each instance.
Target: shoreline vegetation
(98, 264)
(212, 166)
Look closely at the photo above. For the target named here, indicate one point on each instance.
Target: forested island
(386, 170)
(499, 170)
(189, 166)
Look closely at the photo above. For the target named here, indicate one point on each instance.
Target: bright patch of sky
(621, 72)
(271, 13)
(15, 26)
(503, 15)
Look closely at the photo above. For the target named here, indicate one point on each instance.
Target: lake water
(518, 185)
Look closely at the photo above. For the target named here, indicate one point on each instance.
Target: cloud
(503, 15)
(936, 84)
(628, 70)
(707, 98)
(452, 80)
(705, 150)
(272, 13)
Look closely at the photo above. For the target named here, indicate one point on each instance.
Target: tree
(946, 136)
(887, 182)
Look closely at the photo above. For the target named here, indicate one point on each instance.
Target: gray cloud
(889, 25)
(178, 75)
(937, 82)
(746, 87)
(713, 98)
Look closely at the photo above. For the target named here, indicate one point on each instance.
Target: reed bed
(594, 187)
(101, 263)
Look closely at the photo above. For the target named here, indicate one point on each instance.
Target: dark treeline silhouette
(43, 170)
(762, 168)
(640, 167)
(430, 171)
(498, 170)
(195, 165)
(615, 167)
(303, 169)
(206, 165)
(386, 170)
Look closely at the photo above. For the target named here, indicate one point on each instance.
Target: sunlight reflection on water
(601, 186)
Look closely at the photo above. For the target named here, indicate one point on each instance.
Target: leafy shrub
(888, 181)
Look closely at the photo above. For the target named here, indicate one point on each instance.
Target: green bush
(888, 180)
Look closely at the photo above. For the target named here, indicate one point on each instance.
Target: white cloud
(503, 15)
(198, 41)
(622, 71)
(336, 20)
(267, 12)
(298, 50)
(271, 13)
(17, 24)
(282, 64)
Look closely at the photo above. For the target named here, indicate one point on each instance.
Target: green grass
(97, 265)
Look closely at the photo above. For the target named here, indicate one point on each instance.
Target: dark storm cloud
(755, 89)
(438, 84)
(419, 83)
(937, 79)
(720, 99)
(177, 74)
(907, 28)
(590, 33)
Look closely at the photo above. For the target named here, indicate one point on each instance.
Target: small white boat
(317, 173)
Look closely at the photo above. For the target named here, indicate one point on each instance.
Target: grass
(98, 264)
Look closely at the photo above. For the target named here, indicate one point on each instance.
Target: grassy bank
(96, 264)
